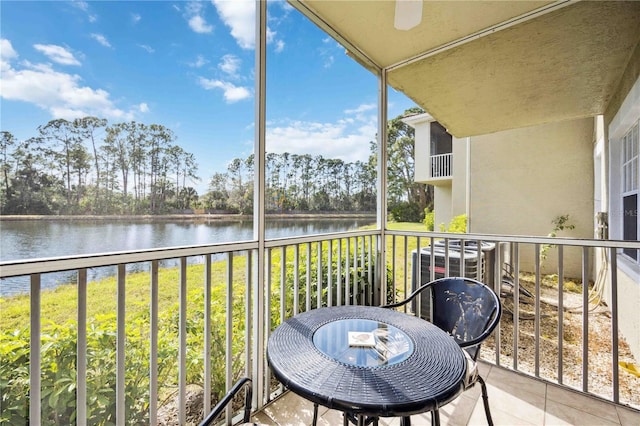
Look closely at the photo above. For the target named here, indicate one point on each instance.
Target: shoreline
(184, 217)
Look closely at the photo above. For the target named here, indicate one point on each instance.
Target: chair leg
(485, 400)
(435, 418)
(405, 421)
(315, 414)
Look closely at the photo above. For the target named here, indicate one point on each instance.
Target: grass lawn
(406, 226)
(60, 305)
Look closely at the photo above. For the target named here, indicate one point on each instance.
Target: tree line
(296, 183)
(86, 166)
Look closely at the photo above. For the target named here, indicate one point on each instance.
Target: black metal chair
(244, 382)
(465, 308)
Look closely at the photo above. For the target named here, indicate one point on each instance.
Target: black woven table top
(429, 377)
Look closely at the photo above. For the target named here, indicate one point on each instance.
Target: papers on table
(387, 345)
(361, 339)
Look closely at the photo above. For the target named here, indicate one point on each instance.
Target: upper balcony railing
(205, 322)
(441, 166)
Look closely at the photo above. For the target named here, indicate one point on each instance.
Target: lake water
(31, 239)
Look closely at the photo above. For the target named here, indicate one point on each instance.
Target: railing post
(585, 319)
(153, 348)
(560, 312)
(182, 350)
(516, 302)
(120, 346)
(81, 351)
(614, 324)
(229, 333)
(35, 404)
(537, 312)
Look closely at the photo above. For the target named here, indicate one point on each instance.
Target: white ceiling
(484, 66)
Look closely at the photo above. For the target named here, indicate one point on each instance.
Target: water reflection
(41, 239)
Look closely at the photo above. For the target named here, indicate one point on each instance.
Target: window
(630, 188)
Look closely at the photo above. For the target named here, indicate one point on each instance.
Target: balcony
(441, 166)
(201, 326)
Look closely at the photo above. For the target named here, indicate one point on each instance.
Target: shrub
(359, 278)
(458, 225)
(59, 369)
(429, 219)
(406, 212)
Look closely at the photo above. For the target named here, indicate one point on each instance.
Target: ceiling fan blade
(408, 14)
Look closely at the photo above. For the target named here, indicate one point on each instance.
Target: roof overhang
(483, 66)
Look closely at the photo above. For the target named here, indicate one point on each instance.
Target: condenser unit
(472, 264)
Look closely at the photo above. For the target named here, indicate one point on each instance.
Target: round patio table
(367, 361)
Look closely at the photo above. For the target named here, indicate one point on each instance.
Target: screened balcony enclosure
(558, 351)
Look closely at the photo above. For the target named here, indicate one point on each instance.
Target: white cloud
(84, 6)
(6, 54)
(347, 138)
(193, 13)
(279, 46)
(101, 39)
(230, 64)
(341, 139)
(199, 62)
(328, 51)
(136, 18)
(240, 16)
(363, 113)
(61, 94)
(271, 35)
(361, 108)
(149, 49)
(143, 107)
(57, 54)
(199, 25)
(232, 93)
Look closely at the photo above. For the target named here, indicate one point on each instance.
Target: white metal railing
(304, 273)
(536, 261)
(346, 276)
(441, 166)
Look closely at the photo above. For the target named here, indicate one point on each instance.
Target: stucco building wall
(521, 180)
(459, 175)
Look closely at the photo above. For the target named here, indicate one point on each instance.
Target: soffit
(562, 65)
(369, 24)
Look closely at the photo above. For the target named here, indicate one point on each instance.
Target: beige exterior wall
(459, 184)
(422, 151)
(441, 205)
(522, 179)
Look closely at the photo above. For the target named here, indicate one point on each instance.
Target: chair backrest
(468, 309)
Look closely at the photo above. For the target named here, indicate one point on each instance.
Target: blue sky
(188, 65)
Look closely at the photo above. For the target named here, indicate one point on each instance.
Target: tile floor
(514, 400)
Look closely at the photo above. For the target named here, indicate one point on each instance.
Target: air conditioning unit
(488, 257)
(456, 256)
